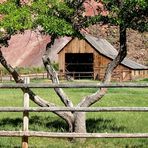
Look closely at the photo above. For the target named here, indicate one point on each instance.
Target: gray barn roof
(106, 49)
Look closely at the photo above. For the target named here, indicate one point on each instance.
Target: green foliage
(25, 70)
(50, 15)
(14, 22)
(30, 70)
(145, 80)
(8, 7)
(16, 18)
(54, 25)
(60, 18)
(131, 13)
(55, 65)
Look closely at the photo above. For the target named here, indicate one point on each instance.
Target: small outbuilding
(89, 57)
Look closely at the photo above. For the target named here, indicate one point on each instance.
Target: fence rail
(74, 109)
(73, 85)
(26, 133)
(71, 135)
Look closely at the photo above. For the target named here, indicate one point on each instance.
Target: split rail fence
(26, 133)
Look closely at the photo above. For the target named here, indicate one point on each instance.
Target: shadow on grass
(10, 122)
(48, 123)
(103, 125)
(54, 124)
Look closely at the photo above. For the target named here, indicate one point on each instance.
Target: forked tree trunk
(75, 120)
(80, 120)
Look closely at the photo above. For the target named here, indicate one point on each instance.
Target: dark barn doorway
(79, 65)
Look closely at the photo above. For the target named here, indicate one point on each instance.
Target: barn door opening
(79, 65)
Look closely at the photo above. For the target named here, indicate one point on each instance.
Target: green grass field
(127, 122)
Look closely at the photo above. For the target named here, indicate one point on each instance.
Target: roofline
(134, 68)
(146, 68)
(103, 55)
(65, 45)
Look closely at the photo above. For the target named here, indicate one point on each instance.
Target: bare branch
(68, 117)
(54, 77)
(93, 98)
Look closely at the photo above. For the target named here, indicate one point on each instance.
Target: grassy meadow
(127, 122)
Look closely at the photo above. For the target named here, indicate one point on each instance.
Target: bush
(28, 70)
(56, 66)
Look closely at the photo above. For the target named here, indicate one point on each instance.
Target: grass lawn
(126, 122)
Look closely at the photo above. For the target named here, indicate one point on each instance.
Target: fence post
(25, 115)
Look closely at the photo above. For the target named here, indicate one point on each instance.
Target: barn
(89, 57)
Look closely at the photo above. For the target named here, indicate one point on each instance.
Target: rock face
(26, 49)
(93, 8)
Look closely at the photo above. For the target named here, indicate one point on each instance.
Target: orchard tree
(67, 18)
(126, 14)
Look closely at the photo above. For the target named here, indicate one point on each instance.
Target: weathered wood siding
(139, 74)
(75, 46)
(121, 73)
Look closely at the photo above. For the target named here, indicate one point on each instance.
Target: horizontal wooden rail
(77, 109)
(71, 135)
(26, 109)
(73, 85)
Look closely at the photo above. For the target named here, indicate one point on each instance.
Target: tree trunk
(123, 46)
(79, 122)
(93, 98)
(79, 125)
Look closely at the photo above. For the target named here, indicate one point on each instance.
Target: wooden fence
(26, 133)
(31, 76)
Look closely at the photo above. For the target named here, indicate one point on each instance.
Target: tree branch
(67, 116)
(53, 74)
(93, 98)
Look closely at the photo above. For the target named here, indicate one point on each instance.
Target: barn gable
(90, 57)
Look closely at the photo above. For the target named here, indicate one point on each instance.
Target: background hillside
(27, 49)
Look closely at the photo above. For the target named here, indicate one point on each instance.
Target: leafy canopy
(44, 13)
(130, 13)
(65, 17)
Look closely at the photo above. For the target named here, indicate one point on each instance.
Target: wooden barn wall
(136, 74)
(121, 73)
(75, 46)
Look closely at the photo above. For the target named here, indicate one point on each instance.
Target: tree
(126, 14)
(66, 18)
